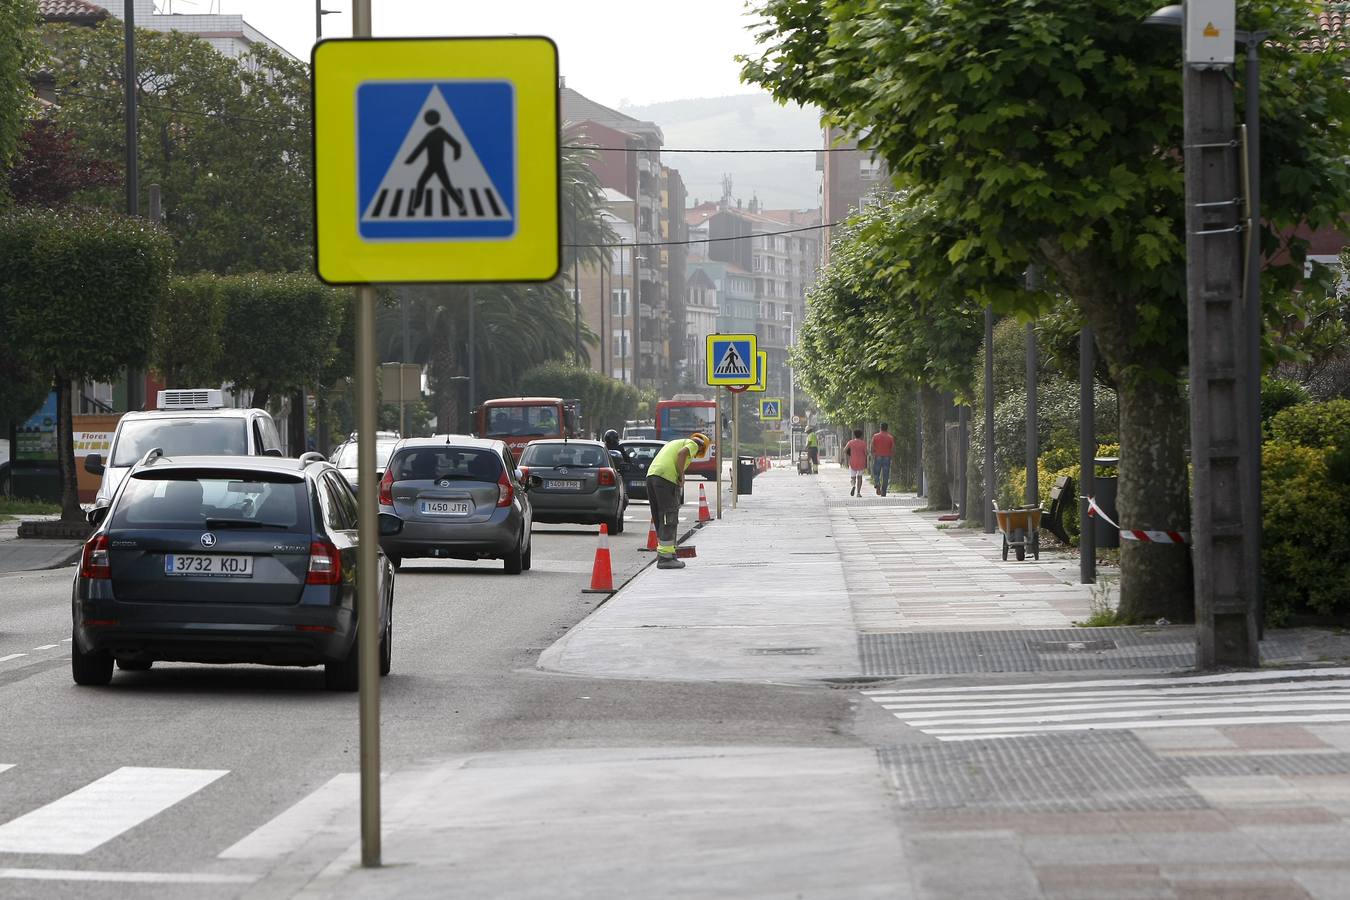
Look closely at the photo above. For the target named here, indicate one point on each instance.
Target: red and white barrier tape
(1136, 534)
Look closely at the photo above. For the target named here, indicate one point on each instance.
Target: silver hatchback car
(459, 498)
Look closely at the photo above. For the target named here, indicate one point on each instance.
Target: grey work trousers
(664, 498)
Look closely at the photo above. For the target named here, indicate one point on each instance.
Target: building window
(869, 169)
(618, 303)
(621, 345)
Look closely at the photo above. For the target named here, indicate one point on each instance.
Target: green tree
(80, 288)
(19, 45)
(187, 331)
(1049, 133)
(227, 140)
(277, 331)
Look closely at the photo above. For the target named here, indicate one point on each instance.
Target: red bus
(681, 416)
(519, 420)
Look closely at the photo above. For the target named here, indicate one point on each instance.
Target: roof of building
(1331, 22)
(577, 107)
(76, 12)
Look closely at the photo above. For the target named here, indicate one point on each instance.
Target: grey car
(225, 560)
(344, 457)
(574, 481)
(459, 498)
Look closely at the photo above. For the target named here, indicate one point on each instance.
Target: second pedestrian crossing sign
(771, 410)
(436, 159)
(731, 359)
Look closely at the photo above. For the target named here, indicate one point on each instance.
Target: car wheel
(387, 646)
(616, 524)
(90, 668)
(135, 665)
(515, 558)
(525, 560)
(341, 675)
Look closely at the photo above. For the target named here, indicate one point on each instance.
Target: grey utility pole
(1223, 522)
(1033, 423)
(1087, 455)
(129, 83)
(988, 421)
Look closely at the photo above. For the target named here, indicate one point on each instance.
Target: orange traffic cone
(652, 540)
(602, 578)
(704, 514)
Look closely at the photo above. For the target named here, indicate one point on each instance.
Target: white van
(184, 423)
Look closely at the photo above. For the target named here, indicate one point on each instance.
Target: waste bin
(745, 474)
(1104, 493)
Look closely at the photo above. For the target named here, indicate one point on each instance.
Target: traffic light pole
(1222, 521)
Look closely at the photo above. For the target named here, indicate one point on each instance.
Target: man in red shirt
(883, 445)
(855, 452)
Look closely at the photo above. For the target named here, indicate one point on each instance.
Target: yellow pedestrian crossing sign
(731, 359)
(771, 410)
(436, 159)
(761, 373)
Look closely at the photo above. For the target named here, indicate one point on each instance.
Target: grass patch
(12, 506)
(1101, 609)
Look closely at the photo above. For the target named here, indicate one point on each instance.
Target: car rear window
(215, 500)
(583, 456)
(454, 463)
(180, 437)
(522, 420)
(642, 451)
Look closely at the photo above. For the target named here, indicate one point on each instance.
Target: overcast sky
(613, 51)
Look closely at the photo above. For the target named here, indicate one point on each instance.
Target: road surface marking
(47, 647)
(101, 810)
(11, 656)
(1275, 675)
(6, 766)
(289, 830)
(1001, 711)
(125, 877)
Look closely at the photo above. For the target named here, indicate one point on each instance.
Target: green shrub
(1278, 394)
(1313, 424)
(1305, 519)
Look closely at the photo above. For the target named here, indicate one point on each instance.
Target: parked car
(459, 498)
(574, 481)
(344, 457)
(632, 431)
(6, 480)
(225, 560)
(637, 456)
(184, 423)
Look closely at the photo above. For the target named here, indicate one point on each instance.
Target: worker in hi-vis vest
(665, 484)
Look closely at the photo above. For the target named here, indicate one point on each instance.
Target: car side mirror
(93, 464)
(96, 515)
(272, 451)
(390, 525)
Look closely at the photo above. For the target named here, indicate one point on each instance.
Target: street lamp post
(792, 381)
(319, 13)
(623, 319)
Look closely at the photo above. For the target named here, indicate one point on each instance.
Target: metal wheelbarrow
(1021, 529)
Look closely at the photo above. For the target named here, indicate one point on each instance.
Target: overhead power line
(735, 237)
(724, 150)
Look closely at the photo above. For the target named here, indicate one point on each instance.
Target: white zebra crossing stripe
(100, 811)
(4, 766)
(998, 711)
(8, 657)
(289, 830)
(95, 875)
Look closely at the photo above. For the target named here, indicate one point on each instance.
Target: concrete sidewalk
(29, 554)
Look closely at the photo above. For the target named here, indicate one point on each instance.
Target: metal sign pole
(717, 445)
(735, 448)
(368, 536)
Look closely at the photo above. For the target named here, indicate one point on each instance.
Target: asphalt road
(466, 638)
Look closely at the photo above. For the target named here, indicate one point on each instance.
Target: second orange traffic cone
(652, 540)
(602, 577)
(704, 514)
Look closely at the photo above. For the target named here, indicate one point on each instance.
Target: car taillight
(94, 561)
(387, 487)
(607, 477)
(505, 493)
(325, 564)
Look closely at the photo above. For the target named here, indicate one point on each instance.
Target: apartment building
(229, 34)
(849, 176)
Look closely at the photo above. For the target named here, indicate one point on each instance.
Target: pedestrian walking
(813, 449)
(883, 445)
(665, 484)
(855, 451)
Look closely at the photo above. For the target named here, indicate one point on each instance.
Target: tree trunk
(65, 453)
(260, 397)
(934, 448)
(297, 424)
(1154, 493)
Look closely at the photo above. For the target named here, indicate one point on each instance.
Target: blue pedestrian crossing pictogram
(436, 160)
(770, 409)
